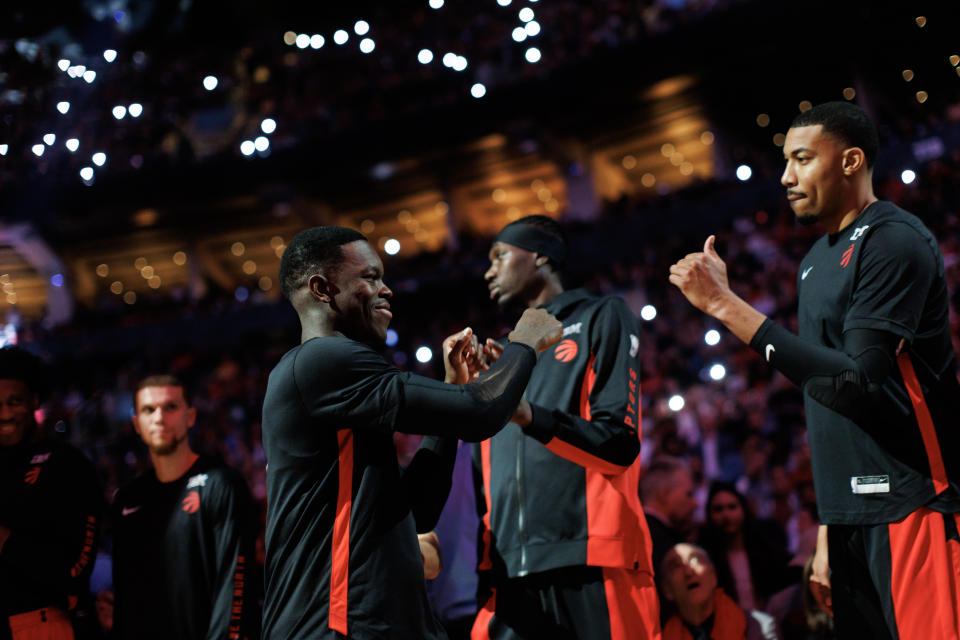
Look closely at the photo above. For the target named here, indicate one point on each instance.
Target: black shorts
(897, 581)
(573, 603)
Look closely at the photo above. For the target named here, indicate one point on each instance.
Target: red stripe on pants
(340, 553)
(481, 626)
(924, 577)
(632, 604)
(927, 430)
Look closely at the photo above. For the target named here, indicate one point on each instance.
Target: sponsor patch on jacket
(634, 346)
(574, 328)
(870, 484)
(199, 480)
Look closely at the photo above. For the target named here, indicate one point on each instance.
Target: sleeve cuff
(543, 427)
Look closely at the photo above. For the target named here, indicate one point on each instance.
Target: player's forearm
(737, 315)
(604, 443)
(428, 478)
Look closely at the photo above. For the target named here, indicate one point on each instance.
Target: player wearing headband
(565, 550)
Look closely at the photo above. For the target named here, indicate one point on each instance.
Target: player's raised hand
(538, 329)
(702, 277)
(492, 350)
(462, 357)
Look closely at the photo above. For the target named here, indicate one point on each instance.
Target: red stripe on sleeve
(340, 553)
(927, 430)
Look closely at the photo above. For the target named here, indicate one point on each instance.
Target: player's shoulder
(334, 352)
(887, 220)
(212, 471)
(61, 454)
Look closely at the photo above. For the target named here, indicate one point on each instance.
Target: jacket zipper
(520, 513)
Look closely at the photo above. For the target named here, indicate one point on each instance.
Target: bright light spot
(79, 70)
(424, 354)
(109, 55)
(908, 176)
(425, 56)
(210, 83)
(526, 14)
(63, 107)
(289, 38)
(367, 45)
(56, 279)
(3, 149)
(340, 36)
(712, 337)
(135, 110)
(247, 147)
(392, 246)
(648, 312)
(675, 403)
(519, 34)
(317, 41)
(361, 27)
(392, 337)
(504, 3)
(72, 72)
(718, 372)
(37, 149)
(744, 172)
(86, 173)
(99, 158)
(303, 41)
(532, 55)
(49, 139)
(532, 28)
(268, 126)
(449, 59)
(261, 143)
(241, 294)
(119, 112)
(459, 64)
(478, 90)
(72, 144)
(435, 4)
(89, 76)
(64, 64)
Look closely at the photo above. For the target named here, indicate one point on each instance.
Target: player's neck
(551, 289)
(172, 466)
(857, 203)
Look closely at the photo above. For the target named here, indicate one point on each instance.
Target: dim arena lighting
(744, 172)
(648, 312)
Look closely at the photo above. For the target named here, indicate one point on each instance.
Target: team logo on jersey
(191, 504)
(858, 232)
(634, 346)
(565, 351)
(806, 272)
(199, 480)
(845, 258)
(31, 476)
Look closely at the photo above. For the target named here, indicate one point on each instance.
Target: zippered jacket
(563, 491)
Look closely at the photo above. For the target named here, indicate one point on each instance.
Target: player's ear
(853, 160)
(191, 417)
(540, 260)
(322, 288)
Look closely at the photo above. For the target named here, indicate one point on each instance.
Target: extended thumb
(708, 247)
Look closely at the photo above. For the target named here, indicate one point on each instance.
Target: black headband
(534, 239)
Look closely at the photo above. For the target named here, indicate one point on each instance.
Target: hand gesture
(462, 357)
(702, 278)
(538, 329)
(492, 351)
(820, 574)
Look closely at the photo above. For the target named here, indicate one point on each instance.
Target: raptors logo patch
(191, 504)
(565, 351)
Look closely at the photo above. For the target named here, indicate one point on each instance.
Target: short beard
(808, 220)
(168, 449)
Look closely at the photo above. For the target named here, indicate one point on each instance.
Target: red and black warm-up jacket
(563, 492)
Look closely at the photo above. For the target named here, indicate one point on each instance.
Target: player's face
(680, 499)
(814, 175)
(689, 576)
(162, 418)
(362, 301)
(17, 404)
(726, 513)
(512, 272)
